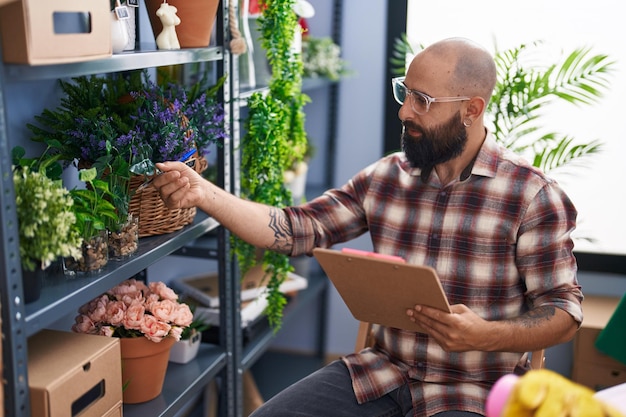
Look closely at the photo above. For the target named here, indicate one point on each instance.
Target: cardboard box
(598, 377)
(55, 31)
(591, 367)
(71, 374)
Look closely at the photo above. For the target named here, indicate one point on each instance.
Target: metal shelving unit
(61, 296)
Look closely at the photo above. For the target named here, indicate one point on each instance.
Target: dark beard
(435, 146)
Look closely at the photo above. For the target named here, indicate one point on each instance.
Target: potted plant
(321, 57)
(46, 220)
(187, 347)
(275, 141)
(93, 210)
(148, 319)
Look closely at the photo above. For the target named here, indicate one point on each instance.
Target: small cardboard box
(72, 374)
(55, 31)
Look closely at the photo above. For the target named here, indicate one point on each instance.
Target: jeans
(328, 393)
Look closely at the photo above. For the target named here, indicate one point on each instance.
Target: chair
(365, 338)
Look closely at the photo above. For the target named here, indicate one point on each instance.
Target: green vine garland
(275, 140)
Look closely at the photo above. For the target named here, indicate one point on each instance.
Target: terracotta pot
(197, 18)
(144, 364)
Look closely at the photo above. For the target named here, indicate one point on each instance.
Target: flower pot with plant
(46, 220)
(187, 347)
(148, 319)
(93, 210)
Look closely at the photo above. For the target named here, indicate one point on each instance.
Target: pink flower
(84, 325)
(116, 312)
(134, 309)
(164, 310)
(154, 329)
(134, 316)
(176, 332)
(163, 291)
(183, 316)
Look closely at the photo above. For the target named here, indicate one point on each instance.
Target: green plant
(92, 205)
(46, 221)
(275, 140)
(321, 57)
(522, 92)
(130, 113)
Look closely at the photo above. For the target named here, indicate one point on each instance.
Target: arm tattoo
(283, 235)
(534, 317)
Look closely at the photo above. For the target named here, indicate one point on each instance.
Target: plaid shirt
(499, 239)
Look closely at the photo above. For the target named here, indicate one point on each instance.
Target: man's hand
(460, 331)
(179, 185)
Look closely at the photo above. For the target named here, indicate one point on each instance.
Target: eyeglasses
(420, 102)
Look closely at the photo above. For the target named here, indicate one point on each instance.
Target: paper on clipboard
(380, 290)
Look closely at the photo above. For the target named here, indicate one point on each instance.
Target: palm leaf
(558, 152)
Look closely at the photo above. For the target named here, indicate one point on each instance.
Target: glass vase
(124, 241)
(95, 251)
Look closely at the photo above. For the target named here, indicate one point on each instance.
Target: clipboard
(379, 289)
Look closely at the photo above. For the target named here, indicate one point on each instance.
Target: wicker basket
(154, 216)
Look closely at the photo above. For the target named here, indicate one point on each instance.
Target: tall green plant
(523, 90)
(275, 139)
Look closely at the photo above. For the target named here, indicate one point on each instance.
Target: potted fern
(275, 141)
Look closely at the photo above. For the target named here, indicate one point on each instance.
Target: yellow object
(544, 393)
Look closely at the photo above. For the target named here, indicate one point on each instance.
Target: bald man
(496, 230)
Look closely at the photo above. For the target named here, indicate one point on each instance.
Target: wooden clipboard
(379, 289)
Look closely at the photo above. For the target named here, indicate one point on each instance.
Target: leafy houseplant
(275, 141)
(46, 219)
(321, 57)
(523, 91)
(93, 210)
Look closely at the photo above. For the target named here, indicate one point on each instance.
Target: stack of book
(203, 292)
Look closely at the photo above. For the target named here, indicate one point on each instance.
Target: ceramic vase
(144, 365)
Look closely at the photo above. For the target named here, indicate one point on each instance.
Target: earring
(467, 122)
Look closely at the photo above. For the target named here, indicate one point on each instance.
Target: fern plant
(275, 140)
(523, 91)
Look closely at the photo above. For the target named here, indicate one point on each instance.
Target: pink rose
(84, 325)
(154, 329)
(163, 291)
(116, 311)
(129, 289)
(107, 331)
(164, 310)
(134, 316)
(176, 332)
(183, 316)
(98, 309)
(150, 300)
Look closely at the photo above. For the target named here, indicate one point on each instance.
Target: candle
(168, 39)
